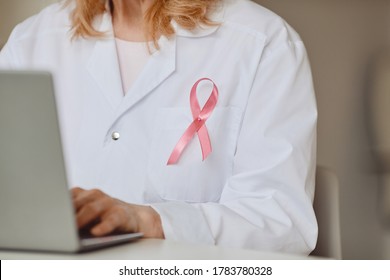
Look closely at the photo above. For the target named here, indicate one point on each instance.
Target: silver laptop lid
(35, 205)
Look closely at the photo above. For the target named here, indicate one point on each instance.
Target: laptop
(36, 210)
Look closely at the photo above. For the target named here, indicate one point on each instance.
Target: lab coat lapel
(163, 62)
(103, 64)
(160, 66)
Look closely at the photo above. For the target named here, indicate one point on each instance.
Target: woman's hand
(105, 215)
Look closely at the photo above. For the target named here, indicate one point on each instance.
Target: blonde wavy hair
(187, 13)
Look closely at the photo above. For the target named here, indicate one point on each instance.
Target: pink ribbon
(198, 125)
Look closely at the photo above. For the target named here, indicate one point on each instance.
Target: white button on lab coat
(255, 189)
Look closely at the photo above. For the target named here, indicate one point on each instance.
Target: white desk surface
(153, 249)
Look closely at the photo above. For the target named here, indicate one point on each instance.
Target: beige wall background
(12, 12)
(341, 37)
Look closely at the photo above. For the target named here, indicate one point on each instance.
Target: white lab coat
(255, 190)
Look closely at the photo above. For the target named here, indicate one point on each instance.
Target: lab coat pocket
(191, 179)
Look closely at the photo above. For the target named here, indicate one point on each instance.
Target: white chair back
(327, 209)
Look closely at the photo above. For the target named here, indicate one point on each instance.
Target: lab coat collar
(104, 67)
(217, 16)
(103, 64)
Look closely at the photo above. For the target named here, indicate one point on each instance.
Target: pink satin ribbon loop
(198, 125)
